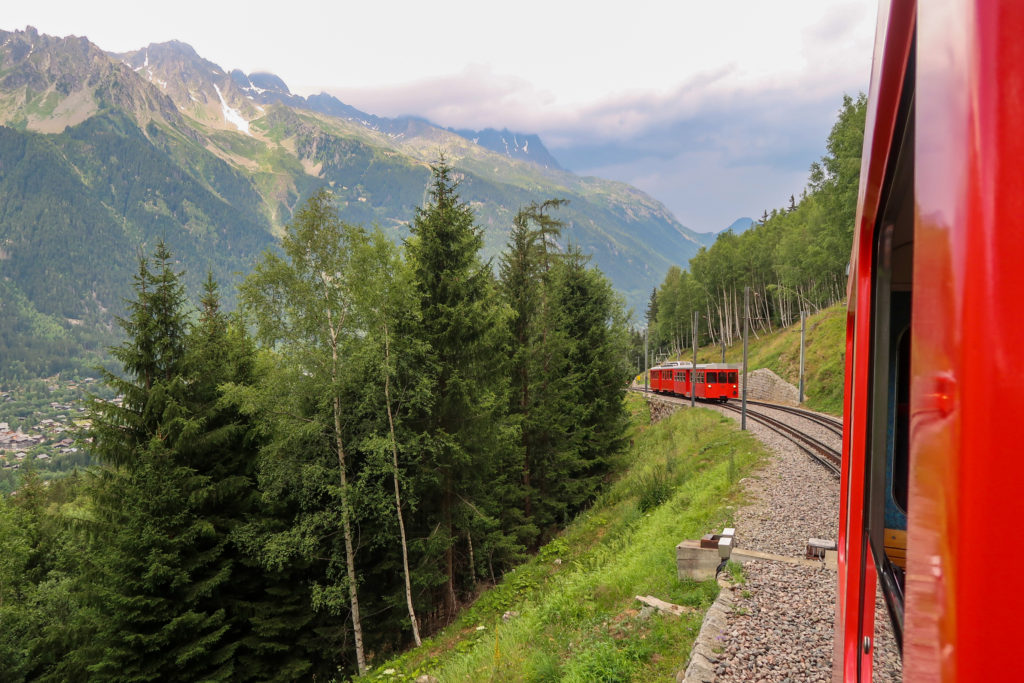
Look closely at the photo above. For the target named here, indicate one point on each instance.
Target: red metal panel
(969, 262)
(856, 581)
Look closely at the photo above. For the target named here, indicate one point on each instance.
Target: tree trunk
(398, 497)
(472, 560)
(350, 565)
(450, 603)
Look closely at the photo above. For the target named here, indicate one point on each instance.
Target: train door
(874, 486)
(874, 536)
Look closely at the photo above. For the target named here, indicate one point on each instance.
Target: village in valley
(43, 423)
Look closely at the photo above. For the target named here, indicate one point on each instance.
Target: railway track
(832, 424)
(822, 453)
(826, 455)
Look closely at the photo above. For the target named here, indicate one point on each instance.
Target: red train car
(931, 478)
(712, 382)
(681, 377)
(717, 382)
(663, 377)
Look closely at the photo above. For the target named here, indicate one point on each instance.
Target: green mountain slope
(102, 155)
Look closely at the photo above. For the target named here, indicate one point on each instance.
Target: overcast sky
(715, 108)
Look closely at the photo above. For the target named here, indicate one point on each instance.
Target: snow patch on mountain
(232, 116)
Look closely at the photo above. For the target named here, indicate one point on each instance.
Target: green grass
(578, 619)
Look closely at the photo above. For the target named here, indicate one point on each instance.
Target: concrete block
(695, 562)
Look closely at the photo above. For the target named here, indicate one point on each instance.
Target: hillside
(104, 154)
(569, 613)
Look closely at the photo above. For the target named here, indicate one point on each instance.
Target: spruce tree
(591, 317)
(459, 325)
(536, 358)
(157, 559)
(174, 591)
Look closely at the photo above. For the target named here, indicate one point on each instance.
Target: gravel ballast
(778, 624)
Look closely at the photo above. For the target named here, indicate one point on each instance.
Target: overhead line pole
(803, 334)
(746, 325)
(693, 370)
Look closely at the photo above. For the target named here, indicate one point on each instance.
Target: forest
(327, 475)
(794, 259)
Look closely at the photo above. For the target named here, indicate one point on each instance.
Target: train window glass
(888, 441)
(733, 377)
(712, 377)
(899, 480)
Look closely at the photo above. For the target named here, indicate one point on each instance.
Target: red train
(710, 382)
(931, 478)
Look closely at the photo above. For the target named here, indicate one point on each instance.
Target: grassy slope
(578, 619)
(780, 353)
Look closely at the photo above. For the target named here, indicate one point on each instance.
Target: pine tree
(592, 320)
(460, 324)
(652, 308)
(153, 356)
(158, 563)
(266, 612)
(536, 364)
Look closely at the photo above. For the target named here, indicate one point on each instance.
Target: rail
(820, 452)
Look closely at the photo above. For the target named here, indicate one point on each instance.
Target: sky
(717, 109)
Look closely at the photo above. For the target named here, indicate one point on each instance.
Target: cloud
(707, 192)
(736, 157)
(710, 153)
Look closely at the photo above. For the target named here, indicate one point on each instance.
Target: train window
(712, 377)
(888, 441)
(733, 377)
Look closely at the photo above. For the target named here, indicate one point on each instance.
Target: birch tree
(302, 304)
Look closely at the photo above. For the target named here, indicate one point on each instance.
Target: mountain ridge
(215, 161)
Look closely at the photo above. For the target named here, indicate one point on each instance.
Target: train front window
(712, 377)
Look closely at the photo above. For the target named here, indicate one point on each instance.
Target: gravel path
(779, 626)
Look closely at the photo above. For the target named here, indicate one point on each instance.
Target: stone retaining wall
(765, 385)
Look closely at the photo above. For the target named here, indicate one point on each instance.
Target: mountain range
(103, 154)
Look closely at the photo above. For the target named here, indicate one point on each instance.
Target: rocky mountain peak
(50, 83)
(522, 146)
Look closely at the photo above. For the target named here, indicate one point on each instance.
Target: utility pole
(803, 334)
(693, 370)
(746, 325)
(645, 359)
